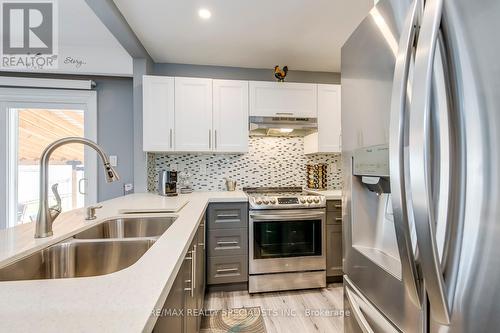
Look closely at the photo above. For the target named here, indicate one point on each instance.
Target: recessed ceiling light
(204, 13)
(286, 130)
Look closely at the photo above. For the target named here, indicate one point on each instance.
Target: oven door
(287, 241)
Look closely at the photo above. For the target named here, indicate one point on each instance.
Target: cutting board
(155, 205)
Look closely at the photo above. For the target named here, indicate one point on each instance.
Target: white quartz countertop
(118, 302)
(329, 194)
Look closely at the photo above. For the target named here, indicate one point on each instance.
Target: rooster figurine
(279, 73)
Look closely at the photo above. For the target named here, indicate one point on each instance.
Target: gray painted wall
(142, 66)
(115, 125)
(238, 73)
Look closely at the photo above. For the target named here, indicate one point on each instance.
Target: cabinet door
(282, 99)
(328, 138)
(200, 270)
(193, 114)
(329, 118)
(230, 120)
(190, 297)
(158, 113)
(334, 250)
(171, 319)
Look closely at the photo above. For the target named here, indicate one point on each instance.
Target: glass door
(285, 239)
(31, 126)
(36, 128)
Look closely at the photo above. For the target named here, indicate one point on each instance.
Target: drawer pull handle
(229, 216)
(338, 206)
(338, 219)
(227, 243)
(188, 289)
(227, 270)
(190, 257)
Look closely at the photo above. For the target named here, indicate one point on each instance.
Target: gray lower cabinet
(180, 313)
(171, 317)
(227, 215)
(334, 238)
(227, 269)
(227, 243)
(200, 270)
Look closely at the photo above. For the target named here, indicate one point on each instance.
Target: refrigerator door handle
(398, 163)
(420, 152)
(367, 316)
(358, 314)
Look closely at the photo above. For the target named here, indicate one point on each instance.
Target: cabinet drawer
(334, 205)
(229, 269)
(227, 216)
(227, 242)
(333, 217)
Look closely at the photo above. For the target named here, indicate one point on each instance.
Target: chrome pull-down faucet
(46, 214)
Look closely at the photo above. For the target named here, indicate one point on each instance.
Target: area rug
(236, 320)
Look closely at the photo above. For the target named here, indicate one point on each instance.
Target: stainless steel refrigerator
(421, 156)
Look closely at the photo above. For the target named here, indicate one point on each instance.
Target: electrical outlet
(333, 167)
(128, 188)
(113, 160)
(174, 167)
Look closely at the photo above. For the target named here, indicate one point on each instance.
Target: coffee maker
(167, 183)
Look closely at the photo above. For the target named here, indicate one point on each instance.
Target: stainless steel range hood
(282, 126)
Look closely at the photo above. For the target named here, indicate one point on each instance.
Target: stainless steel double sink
(102, 249)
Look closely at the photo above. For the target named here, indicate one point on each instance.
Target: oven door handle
(284, 217)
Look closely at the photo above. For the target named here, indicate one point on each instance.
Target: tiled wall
(270, 161)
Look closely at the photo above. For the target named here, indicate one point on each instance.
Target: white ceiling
(303, 34)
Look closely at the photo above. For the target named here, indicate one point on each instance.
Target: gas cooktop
(283, 198)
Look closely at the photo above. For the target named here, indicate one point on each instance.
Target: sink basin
(77, 258)
(128, 227)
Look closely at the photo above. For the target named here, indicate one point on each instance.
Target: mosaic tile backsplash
(270, 161)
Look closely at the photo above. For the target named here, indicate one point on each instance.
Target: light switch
(113, 160)
(128, 188)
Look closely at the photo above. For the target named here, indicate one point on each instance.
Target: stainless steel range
(286, 239)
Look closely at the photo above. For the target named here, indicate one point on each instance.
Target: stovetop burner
(283, 198)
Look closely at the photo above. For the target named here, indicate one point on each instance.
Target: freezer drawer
(361, 315)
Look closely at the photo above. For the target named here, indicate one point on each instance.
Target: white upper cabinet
(230, 116)
(193, 114)
(283, 99)
(328, 138)
(158, 113)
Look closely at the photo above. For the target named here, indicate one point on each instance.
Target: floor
(303, 311)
